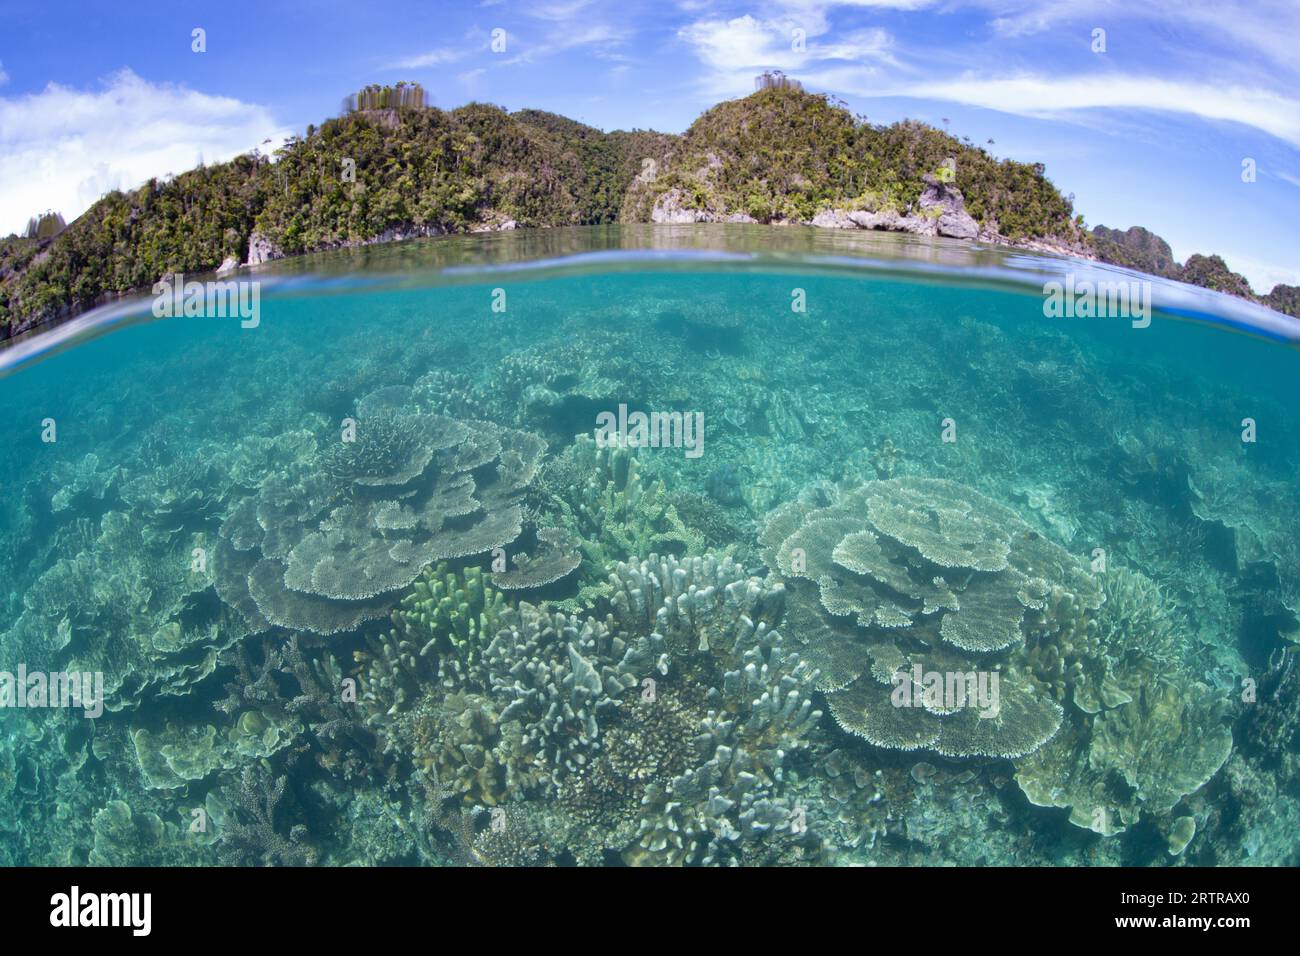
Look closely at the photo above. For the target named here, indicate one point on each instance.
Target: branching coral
(679, 708)
(602, 496)
(252, 831)
(449, 612)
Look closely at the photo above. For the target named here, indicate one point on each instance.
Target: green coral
(599, 493)
(450, 611)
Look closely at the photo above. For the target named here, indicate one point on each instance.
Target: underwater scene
(659, 546)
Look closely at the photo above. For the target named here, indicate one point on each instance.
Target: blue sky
(1151, 131)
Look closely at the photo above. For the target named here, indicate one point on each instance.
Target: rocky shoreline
(940, 212)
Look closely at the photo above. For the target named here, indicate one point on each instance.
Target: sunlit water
(1164, 454)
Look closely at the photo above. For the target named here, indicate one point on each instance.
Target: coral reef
(661, 730)
(599, 495)
(326, 549)
(442, 643)
(912, 576)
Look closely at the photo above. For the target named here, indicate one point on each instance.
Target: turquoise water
(367, 584)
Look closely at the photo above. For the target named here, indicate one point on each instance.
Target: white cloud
(1049, 97)
(601, 37)
(431, 58)
(1263, 29)
(63, 148)
(735, 50)
(560, 10)
(4, 77)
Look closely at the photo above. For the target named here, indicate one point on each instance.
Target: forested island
(392, 167)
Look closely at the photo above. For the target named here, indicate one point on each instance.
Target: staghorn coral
(251, 829)
(600, 494)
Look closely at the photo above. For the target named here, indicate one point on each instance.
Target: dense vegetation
(609, 161)
(1136, 248)
(783, 154)
(367, 173)
(1284, 298)
(128, 240)
(391, 166)
(1140, 249)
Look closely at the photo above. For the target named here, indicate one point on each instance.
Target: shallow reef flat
(367, 585)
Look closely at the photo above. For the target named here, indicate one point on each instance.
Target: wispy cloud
(68, 147)
(1056, 97)
(437, 57)
(1253, 29)
(558, 10)
(602, 38)
(4, 77)
(734, 50)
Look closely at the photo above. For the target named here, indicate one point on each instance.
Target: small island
(392, 167)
